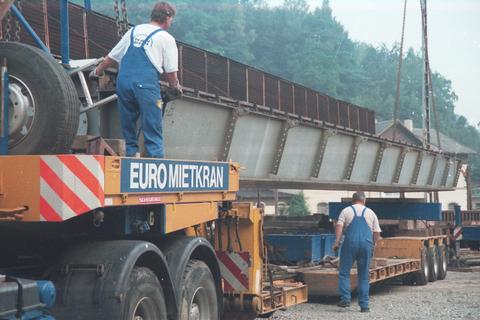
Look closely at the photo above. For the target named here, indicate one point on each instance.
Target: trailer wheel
(199, 296)
(433, 263)
(421, 276)
(443, 262)
(265, 315)
(145, 299)
(409, 279)
(44, 107)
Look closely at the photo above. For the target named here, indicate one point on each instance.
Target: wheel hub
(144, 310)
(21, 110)
(194, 312)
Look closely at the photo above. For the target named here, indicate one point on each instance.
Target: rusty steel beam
(98, 43)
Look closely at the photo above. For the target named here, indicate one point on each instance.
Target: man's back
(161, 49)
(346, 217)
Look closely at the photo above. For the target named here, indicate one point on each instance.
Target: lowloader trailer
(308, 254)
(124, 238)
(416, 260)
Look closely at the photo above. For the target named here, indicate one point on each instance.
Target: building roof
(385, 129)
(447, 144)
(381, 126)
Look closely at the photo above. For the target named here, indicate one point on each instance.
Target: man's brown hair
(161, 11)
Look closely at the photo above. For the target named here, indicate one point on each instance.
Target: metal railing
(468, 216)
(92, 35)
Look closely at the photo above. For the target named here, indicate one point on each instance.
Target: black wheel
(44, 108)
(409, 279)
(199, 296)
(144, 299)
(433, 263)
(443, 261)
(266, 315)
(421, 276)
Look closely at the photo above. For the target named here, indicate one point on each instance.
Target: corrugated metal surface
(194, 69)
(238, 81)
(300, 103)
(312, 105)
(93, 35)
(217, 69)
(255, 87)
(286, 96)
(272, 97)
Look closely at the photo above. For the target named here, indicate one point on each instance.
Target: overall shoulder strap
(354, 211)
(131, 36)
(363, 212)
(151, 35)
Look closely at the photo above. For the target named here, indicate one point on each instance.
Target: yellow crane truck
(136, 238)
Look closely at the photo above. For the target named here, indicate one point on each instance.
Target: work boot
(343, 304)
(367, 309)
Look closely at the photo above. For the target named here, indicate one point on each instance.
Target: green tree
(298, 206)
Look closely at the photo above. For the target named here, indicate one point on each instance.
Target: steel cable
(399, 73)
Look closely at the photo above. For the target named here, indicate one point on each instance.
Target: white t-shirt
(161, 49)
(346, 217)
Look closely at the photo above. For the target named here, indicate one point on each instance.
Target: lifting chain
(124, 17)
(122, 22)
(117, 18)
(12, 25)
(7, 32)
(399, 73)
(16, 35)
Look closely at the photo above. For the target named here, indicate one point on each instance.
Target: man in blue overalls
(361, 230)
(144, 52)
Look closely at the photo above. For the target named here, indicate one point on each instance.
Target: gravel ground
(456, 297)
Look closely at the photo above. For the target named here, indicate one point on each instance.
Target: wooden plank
(323, 281)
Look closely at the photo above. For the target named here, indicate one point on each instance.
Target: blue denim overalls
(138, 93)
(357, 245)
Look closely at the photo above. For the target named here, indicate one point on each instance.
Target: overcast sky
(454, 37)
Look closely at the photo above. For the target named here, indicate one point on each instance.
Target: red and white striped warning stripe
(457, 233)
(234, 269)
(70, 185)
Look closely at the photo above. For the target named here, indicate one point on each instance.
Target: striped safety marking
(70, 185)
(457, 233)
(234, 269)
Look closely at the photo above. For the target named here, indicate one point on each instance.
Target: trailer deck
(323, 281)
(398, 257)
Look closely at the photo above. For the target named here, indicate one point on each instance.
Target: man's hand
(335, 246)
(170, 94)
(176, 87)
(173, 82)
(93, 75)
(99, 71)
